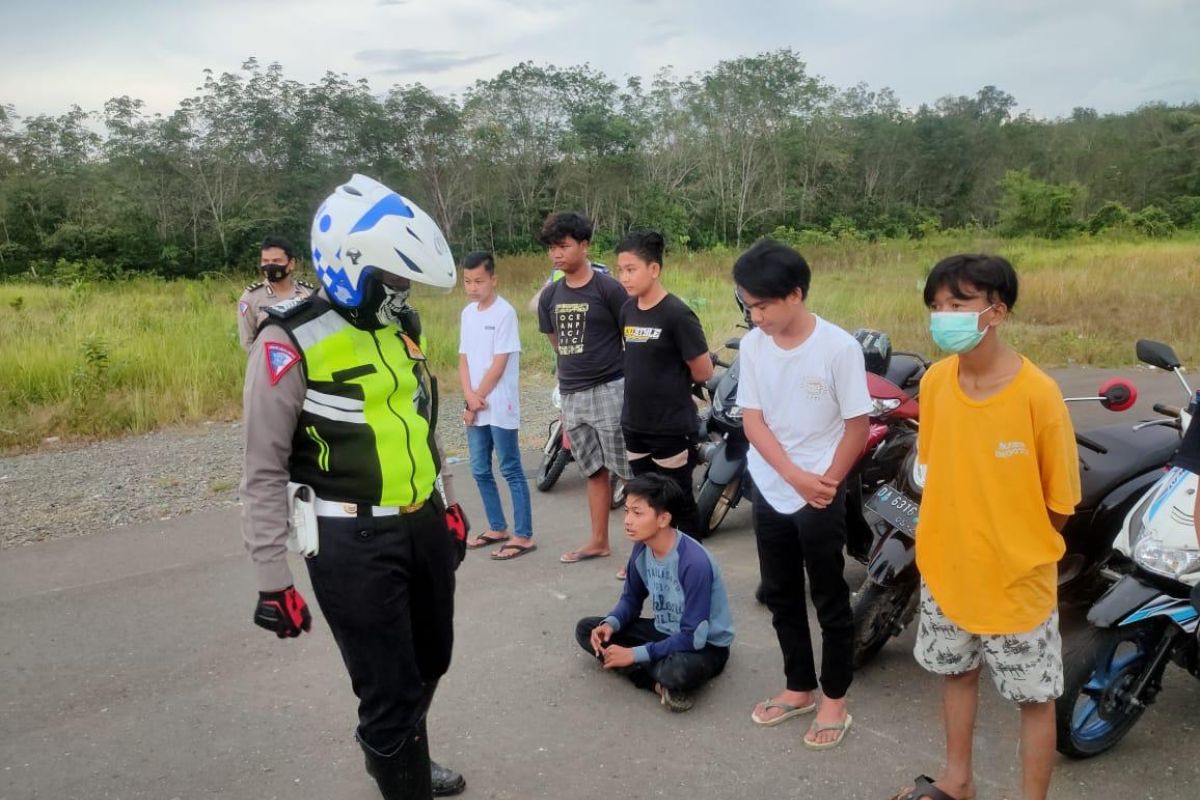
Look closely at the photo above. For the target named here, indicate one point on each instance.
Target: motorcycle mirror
(1157, 354)
(1118, 394)
(733, 344)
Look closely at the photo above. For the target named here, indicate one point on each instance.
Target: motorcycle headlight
(1171, 562)
(881, 406)
(918, 475)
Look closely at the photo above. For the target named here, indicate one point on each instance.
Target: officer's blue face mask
(957, 331)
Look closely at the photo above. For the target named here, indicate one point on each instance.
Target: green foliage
(713, 159)
(1110, 215)
(1153, 222)
(1029, 207)
(798, 239)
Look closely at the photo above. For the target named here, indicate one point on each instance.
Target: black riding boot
(446, 782)
(404, 775)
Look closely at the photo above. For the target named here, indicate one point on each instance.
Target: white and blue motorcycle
(1146, 619)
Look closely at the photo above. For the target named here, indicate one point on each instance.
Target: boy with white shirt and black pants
(803, 391)
(489, 353)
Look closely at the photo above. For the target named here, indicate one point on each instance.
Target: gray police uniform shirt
(253, 304)
(271, 402)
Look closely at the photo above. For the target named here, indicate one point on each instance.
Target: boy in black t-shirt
(579, 315)
(665, 353)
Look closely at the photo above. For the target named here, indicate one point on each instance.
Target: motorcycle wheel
(880, 612)
(714, 502)
(1101, 665)
(618, 491)
(552, 466)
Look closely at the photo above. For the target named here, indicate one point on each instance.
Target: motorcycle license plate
(895, 508)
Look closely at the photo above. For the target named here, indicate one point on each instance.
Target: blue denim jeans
(482, 439)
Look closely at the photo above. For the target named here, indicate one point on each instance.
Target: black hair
(992, 275)
(772, 270)
(660, 492)
(646, 245)
(567, 223)
(480, 258)
(280, 242)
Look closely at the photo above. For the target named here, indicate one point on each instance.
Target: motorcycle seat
(903, 370)
(1129, 453)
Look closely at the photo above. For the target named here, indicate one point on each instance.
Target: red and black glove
(459, 527)
(284, 612)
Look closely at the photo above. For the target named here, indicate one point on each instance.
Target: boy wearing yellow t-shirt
(1002, 477)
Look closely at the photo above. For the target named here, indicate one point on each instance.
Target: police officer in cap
(338, 398)
(278, 266)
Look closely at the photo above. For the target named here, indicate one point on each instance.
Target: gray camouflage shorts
(592, 418)
(1026, 667)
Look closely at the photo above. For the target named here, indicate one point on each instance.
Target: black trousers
(679, 672)
(386, 588)
(790, 546)
(686, 517)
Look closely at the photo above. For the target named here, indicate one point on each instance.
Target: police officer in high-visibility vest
(339, 410)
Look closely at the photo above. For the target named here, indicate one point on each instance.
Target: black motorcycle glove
(283, 612)
(459, 527)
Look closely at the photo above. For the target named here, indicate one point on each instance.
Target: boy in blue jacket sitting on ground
(687, 641)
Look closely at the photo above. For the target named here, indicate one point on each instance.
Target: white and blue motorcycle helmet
(364, 232)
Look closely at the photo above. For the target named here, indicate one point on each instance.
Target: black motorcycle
(723, 448)
(1118, 464)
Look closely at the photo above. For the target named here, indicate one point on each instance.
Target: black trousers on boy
(686, 517)
(679, 672)
(790, 546)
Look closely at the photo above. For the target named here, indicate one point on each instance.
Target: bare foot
(830, 712)
(766, 716)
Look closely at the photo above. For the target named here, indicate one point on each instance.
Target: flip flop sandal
(516, 550)
(820, 727)
(575, 556)
(483, 540)
(923, 789)
(789, 711)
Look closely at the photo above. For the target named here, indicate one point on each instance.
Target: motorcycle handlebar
(1166, 410)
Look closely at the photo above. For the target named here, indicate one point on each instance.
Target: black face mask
(274, 272)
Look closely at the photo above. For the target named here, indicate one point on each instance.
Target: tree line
(755, 145)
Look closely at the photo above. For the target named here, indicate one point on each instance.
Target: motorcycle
(726, 480)
(556, 454)
(1147, 618)
(1118, 465)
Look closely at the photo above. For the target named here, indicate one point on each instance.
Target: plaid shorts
(1026, 667)
(593, 421)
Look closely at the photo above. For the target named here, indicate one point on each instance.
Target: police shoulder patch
(243, 307)
(306, 285)
(288, 307)
(280, 358)
(254, 286)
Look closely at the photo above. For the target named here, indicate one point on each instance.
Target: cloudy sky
(1052, 55)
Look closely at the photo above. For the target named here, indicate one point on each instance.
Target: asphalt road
(129, 668)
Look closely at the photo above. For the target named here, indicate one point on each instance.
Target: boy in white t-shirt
(803, 391)
(488, 362)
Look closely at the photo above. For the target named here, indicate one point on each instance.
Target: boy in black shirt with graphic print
(665, 353)
(579, 314)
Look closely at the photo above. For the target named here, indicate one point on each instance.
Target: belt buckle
(412, 509)
(350, 508)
